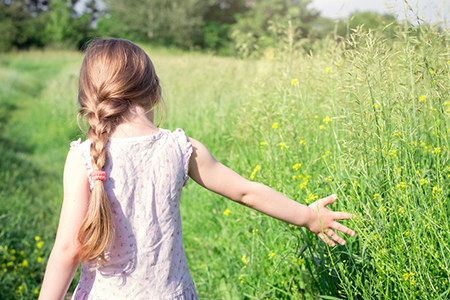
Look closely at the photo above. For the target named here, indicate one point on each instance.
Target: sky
(432, 11)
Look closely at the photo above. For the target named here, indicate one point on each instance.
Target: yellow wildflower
(24, 263)
(40, 259)
(327, 120)
(257, 168)
(271, 255)
(296, 167)
(227, 212)
(244, 259)
(262, 144)
(275, 125)
(311, 197)
(282, 145)
(40, 244)
(322, 127)
(402, 185)
(422, 98)
(294, 82)
(328, 70)
(37, 238)
(305, 181)
(436, 189)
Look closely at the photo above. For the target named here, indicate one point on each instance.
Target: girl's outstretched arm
(211, 174)
(64, 261)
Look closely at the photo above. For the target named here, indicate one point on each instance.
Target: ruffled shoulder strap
(84, 148)
(186, 149)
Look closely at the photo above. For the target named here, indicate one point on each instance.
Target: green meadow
(366, 118)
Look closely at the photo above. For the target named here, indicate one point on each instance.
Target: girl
(122, 188)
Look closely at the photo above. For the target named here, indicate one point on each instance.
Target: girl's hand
(209, 173)
(322, 221)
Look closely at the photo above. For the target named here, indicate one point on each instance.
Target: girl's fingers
(335, 237)
(343, 216)
(342, 228)
(326, 239)
(328, 200)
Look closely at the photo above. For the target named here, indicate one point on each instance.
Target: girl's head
(115, 77)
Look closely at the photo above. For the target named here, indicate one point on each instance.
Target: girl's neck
(138, 122)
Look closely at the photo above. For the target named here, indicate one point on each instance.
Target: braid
(96, 233)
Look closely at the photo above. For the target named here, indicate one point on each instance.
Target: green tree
(258, 27)
(65, 27)
(167, 22)
(38, 23)
(21, 24)
(218, 21)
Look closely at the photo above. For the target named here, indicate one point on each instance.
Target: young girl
(122, 189)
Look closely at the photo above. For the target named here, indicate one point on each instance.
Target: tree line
(226, 27)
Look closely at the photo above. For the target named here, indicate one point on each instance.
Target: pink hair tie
(98, 175)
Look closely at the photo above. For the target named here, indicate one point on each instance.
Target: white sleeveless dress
(144, 179)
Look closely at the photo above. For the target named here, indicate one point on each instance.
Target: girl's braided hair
(116, 75)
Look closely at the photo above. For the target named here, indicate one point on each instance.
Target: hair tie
(98, 175)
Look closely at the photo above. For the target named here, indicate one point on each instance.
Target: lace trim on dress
(186, 148)
(85, 153)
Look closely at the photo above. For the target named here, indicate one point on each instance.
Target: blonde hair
(116, 75)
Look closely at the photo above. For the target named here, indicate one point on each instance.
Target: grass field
(366, 119)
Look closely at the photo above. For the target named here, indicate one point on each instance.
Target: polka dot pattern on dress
(144, 179)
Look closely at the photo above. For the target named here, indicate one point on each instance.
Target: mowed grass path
(366, 119)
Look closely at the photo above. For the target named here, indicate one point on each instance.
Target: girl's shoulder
(83, 149)
(179, 134)
(182, 139)
(78, 144)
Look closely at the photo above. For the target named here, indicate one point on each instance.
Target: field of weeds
(367, 119)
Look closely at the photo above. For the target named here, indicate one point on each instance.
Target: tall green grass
(366, 119)
(37, 96)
